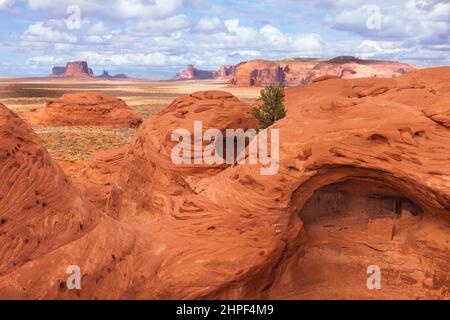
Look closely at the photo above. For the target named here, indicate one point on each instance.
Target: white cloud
(46, 60)
(246, 53)
(208, 24)
(283, 41)
(370, 48)
(98, 28)
(152, 59)
(419, 21)
(44, 33)
(118, 9)
(159, 33)
(232, 25)
(163, 26)
(5, 4)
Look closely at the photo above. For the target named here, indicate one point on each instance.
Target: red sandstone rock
(301, 71)
(99, 174)
(258, 73)
(78, 69)
(336, 131)
(86, 108)
(351, 151)
(380, 230)
(46, 225)
(153, 144)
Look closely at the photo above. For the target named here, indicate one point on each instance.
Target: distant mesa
(84, 109)
(73, 69)
(192, 73)
(80, 69)
(296, 71)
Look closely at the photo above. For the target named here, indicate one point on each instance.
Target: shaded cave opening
(348, 226)
(359, 200)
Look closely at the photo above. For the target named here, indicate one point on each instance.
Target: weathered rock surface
(153, 144)
(302, 71)
(86, 108)
(363, 141)
(46, 225)
(99, 174)
(352, 151)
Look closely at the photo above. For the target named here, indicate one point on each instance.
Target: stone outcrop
(363, 182)
(192, 73)
(75, 69)
(346, 170)
(47, 226)
(99, 174)
(86, 108)
(80, 69)
(302, 71)
(225, 72)
(215, 109)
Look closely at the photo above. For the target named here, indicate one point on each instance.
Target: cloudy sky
(157, 38)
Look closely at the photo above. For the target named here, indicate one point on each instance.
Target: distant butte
(192, 73)
(73, 69)
(80, 69)
(296, 71)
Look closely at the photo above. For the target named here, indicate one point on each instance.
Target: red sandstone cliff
(301, 71)
(80, 69)
(77, 69)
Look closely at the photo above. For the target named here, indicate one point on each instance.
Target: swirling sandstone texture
(46, 225)
(85, 108)
(153, 144)
(364, 181)
(302, 71)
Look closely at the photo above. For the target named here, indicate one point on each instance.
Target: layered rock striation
(86, 108)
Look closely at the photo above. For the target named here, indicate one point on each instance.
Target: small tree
(272, 108)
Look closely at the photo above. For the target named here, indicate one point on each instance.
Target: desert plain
(71, 146)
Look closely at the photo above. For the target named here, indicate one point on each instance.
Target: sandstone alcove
(359, 222)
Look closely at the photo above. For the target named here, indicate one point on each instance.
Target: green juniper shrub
(272, 107)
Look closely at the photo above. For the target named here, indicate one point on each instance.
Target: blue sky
(157, 38)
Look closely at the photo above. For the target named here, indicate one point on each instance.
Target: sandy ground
(71, 146)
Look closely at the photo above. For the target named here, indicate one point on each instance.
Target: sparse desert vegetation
(70, 146)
